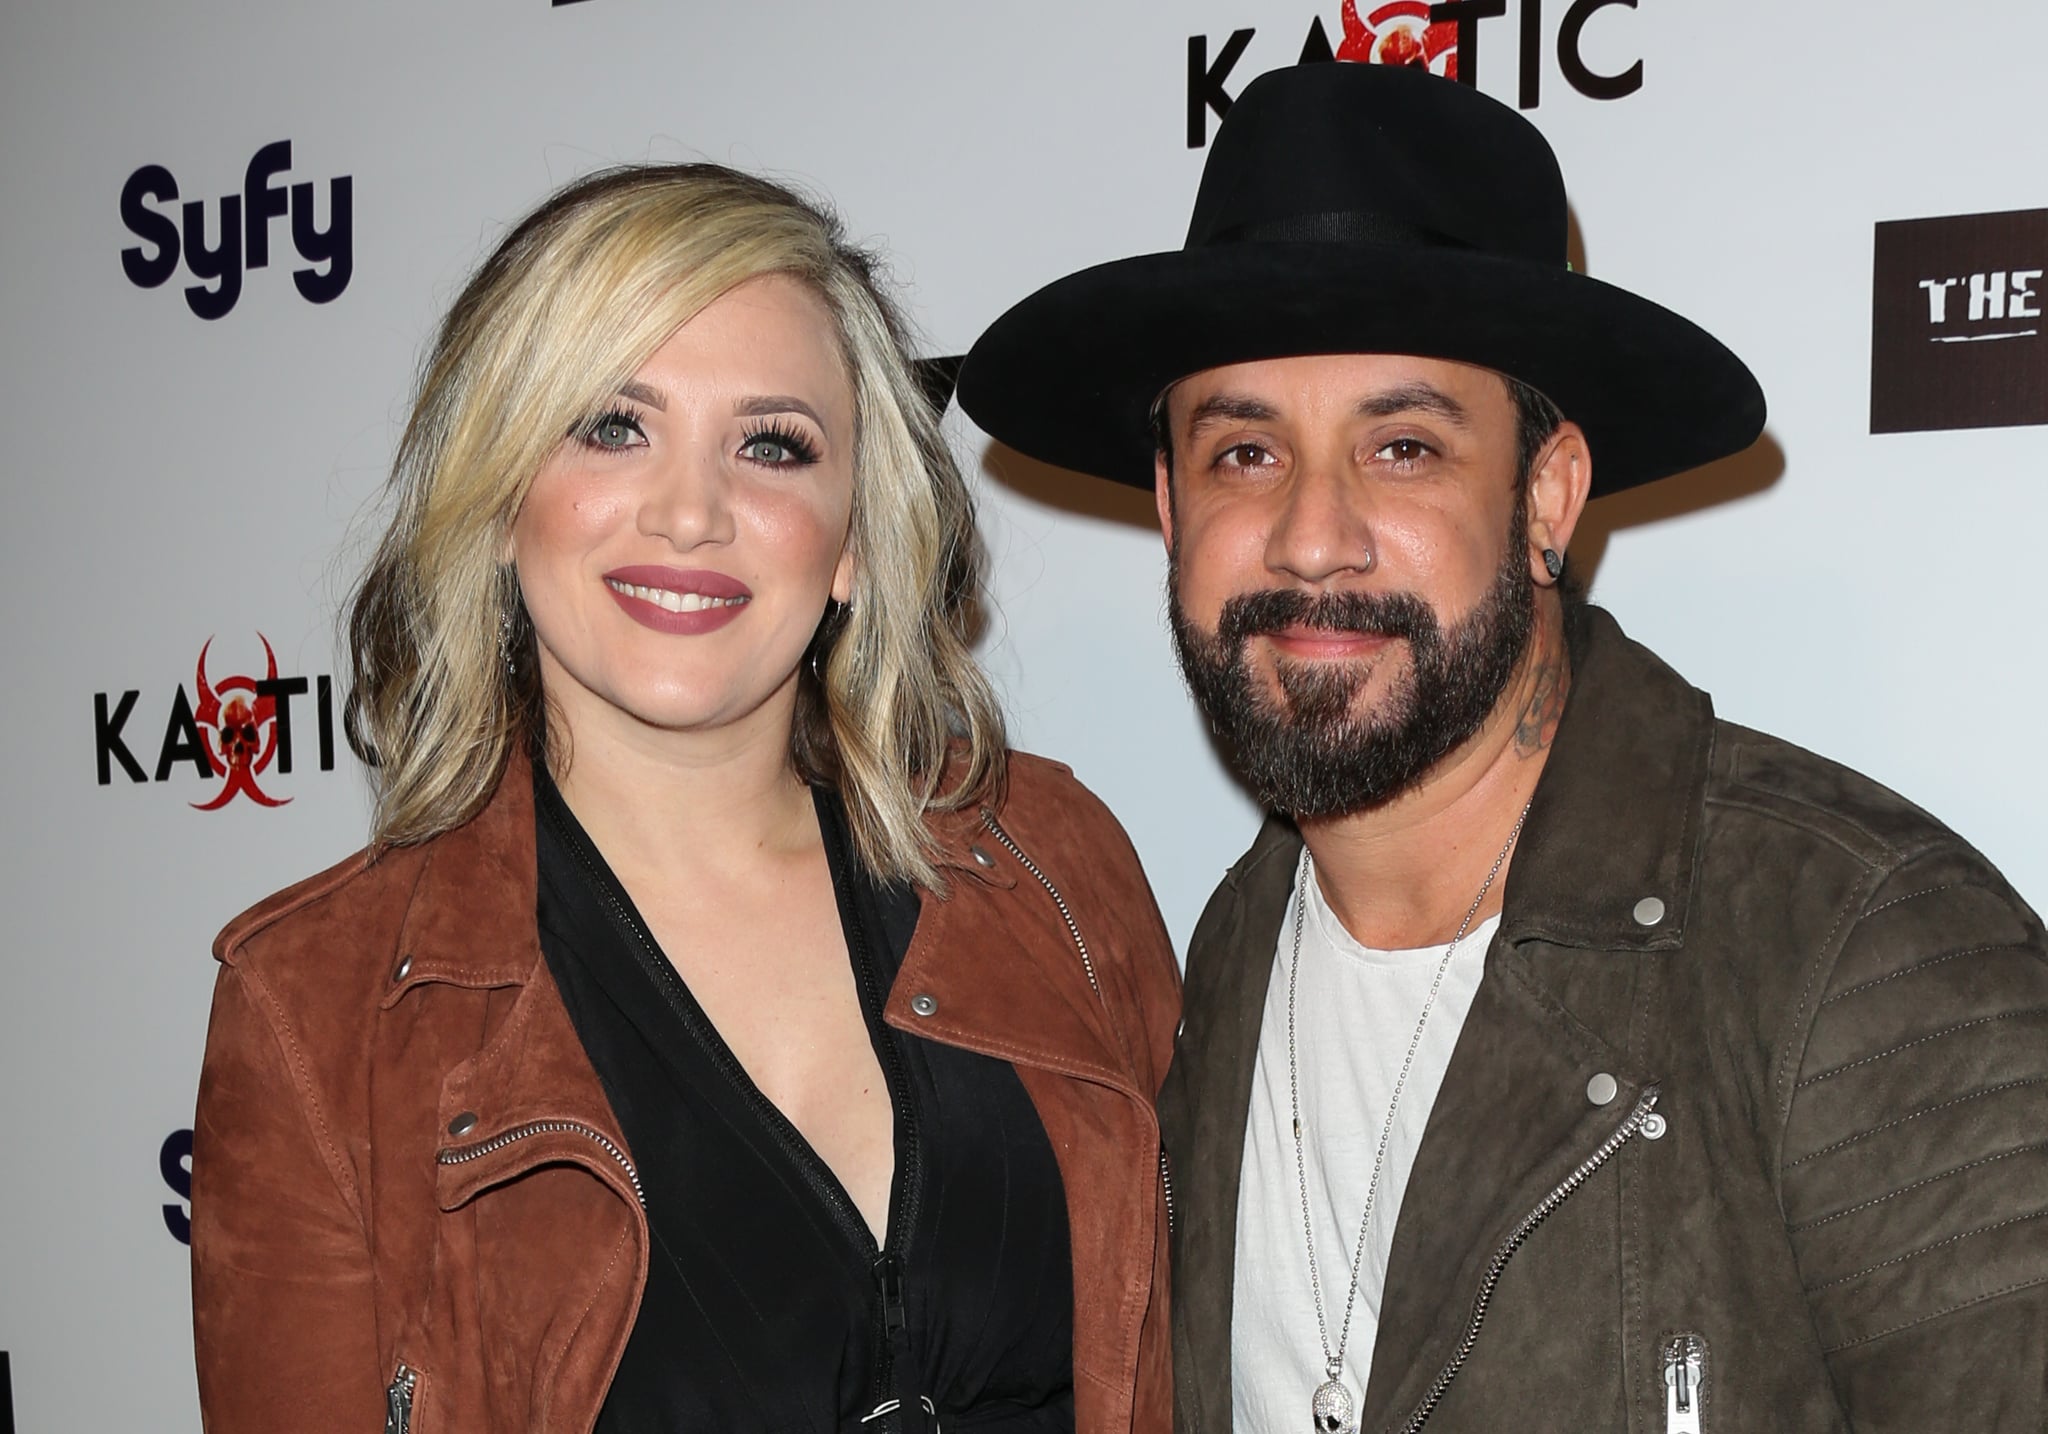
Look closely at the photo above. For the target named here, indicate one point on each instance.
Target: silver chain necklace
(1333, 1410)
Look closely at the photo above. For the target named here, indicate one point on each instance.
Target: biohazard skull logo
(1399, 33)
(239, 726)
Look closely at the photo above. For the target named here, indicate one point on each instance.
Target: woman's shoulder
(345, 897)
(1043, 801)
(1088, 860)
(1037, 789)
(439, 890)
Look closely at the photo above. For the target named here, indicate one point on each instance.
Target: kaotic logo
(1400, 33)
(1442, 38)
(1957, 339)
(243, 229)
(237, 732)
(174, 1160)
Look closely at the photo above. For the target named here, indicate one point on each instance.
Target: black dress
(769, 1305)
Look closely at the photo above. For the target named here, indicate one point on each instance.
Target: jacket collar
(450, 936)
(1606, 861)
(1001, 974)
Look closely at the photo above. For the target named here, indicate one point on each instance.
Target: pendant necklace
(1332, 1409)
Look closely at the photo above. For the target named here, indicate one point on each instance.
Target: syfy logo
(174, 1163)
(1442, 38)
(239, 730)
(1956, 332)
(242, 230)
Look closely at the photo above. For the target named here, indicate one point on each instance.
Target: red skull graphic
(1399, 33)
(241, 731)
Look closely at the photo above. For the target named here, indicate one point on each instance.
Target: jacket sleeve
(1914, 1165)
(283, 1321)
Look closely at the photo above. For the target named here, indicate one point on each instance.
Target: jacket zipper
(1645, 1103)
(461, 1154)
(1685, 1379)
(398, 1400)
(1166, 1184)
(995, 827)
(888, 1263)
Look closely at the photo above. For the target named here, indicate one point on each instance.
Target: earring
(1553, 563)
(829, 628)
(505, 654)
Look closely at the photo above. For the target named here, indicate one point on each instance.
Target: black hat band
(1337, 226)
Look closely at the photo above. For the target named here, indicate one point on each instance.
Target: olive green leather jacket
(1815, 1199)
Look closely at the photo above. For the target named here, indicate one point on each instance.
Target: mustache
(1394, 614)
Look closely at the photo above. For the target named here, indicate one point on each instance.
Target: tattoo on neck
(1536, 727)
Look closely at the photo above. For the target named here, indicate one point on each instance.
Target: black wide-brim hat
(1354, 208)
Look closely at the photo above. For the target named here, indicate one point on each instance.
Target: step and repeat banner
(231, 225)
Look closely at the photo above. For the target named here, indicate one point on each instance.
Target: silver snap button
(1653, 1127)
(404, 969)
(463, 1124)
(1602, 1089)
(1649, 911)
(982, 858)
(924, 1005)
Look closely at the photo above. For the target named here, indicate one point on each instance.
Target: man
(1559, 1057)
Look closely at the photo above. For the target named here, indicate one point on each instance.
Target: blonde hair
(568, 307)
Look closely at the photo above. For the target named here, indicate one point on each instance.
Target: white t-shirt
(1355, 1012)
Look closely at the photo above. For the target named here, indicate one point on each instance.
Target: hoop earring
(829, 628)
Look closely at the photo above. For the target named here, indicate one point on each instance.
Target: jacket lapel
(977, 978)
(1511, 1123)
(1604, 867)
(530, 1068)
(1206, 1103)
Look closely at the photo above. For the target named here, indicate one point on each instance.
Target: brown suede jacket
(1747, 1128)
(406, 1177)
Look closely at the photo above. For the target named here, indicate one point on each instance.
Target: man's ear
(1559, 485)
(1162, 495)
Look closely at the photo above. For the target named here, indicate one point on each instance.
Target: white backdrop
(171, 479)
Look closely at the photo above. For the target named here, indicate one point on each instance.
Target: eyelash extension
(801, 448)
(617, 413)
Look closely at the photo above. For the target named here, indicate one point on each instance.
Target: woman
(721, 1032)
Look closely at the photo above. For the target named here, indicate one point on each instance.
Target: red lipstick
(709, 599)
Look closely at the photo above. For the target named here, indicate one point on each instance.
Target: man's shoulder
(1776, 781)
(1745, 773)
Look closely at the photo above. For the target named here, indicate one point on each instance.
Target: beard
(1303, 752)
